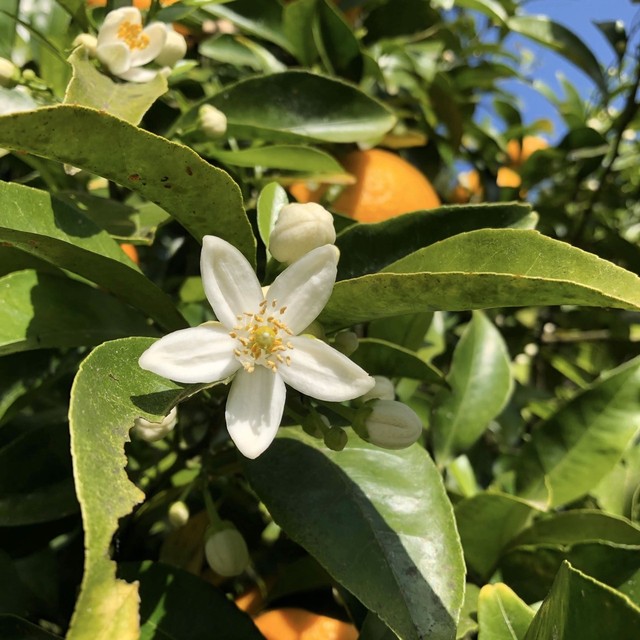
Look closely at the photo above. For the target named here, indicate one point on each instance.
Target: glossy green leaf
(501, 614)
(285, 157)
(42, 489)
(297, 23)
(128, 101)
(580, 607)
(367, 248)
(39, 310)
(109, 392)
(15, 628)
(205, 200)
(379, 521)
(480, 270)
(605, 547)
(615, 491)
(20, 373)
(561, 40)
(14, 101)
(8, 29)
(271, 199)
(178, 606)
(297, 105)
(487, 522)
(579, 444)
(480, 384)
(491, 8)
(468, 624)
(37, 223)
(240, 51)
(379, 357)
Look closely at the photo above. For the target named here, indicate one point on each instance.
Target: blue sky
(577, 15)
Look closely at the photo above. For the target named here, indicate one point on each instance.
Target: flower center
(132, 35)
(262, 338)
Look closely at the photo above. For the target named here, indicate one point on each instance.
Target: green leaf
(297, 22)
(41, 490)
(287, 157)
(615, 491)
(605, 547)
(481, 270)
(379, 521)
(561, 40)
(128, 101)
(8, 29)
(487, 522)
(37, 223)
(77, 9)
(491, 8)
(480, 384)
(580, 607)
(39, 310)
(501, 614)
(240, 51)
(297, 105)
(367, 248)
(379, 357)
(205, 200)
(109, 392)
(468, 624)
(271, 199)
(15, 628)
(178, 606)
(579, 444)
(14, 101)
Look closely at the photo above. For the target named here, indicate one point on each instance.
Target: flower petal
(157, 34)
(229, 281)
(319, 371)
(305, 286)
(108, 33)
(199, 354)
(254, 410)
(136, 74)
(115, 56)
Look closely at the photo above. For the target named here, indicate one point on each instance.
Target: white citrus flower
(257, 339)
(124, 46)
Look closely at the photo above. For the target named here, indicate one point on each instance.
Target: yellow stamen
(132, 35)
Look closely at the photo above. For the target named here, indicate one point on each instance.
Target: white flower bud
(390, 424)
(152, 431)
(346, 342)
(89, 42)
(9, 73)
(175, 48)
(226, 551)
(383, 390)
(178, 514)
(300, 228)
(212, 121)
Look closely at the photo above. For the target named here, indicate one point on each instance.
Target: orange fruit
(298, 624)
(519, 153)
(131, 251)
(250, 602)
(140, 4)
(386, 186)
(508, 178)
(468, 188)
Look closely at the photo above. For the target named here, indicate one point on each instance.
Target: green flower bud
(388, 424)
(212, 121)
(336, 439)
(226, 551)
(152, 431)
(383, 390)
(178, 514)
(300, 228)
(9, 73)
(346, 342)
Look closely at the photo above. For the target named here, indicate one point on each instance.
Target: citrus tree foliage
(501, 308)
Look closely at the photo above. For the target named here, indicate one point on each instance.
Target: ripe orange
(140, 4)
(298, 624)
(131, 251)
(508, 178)
(519, 153)
(386, 186)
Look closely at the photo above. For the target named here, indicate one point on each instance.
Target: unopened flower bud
(299, 229)
(212, 121)
(9, 73)
(226, 551)
(152, 431)
(86, 40)
(336, 439)
(389, 424)
(178, 514)
(346, 342)
(383, 390)
(174, 49)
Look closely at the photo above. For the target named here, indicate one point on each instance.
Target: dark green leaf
(15, 628)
